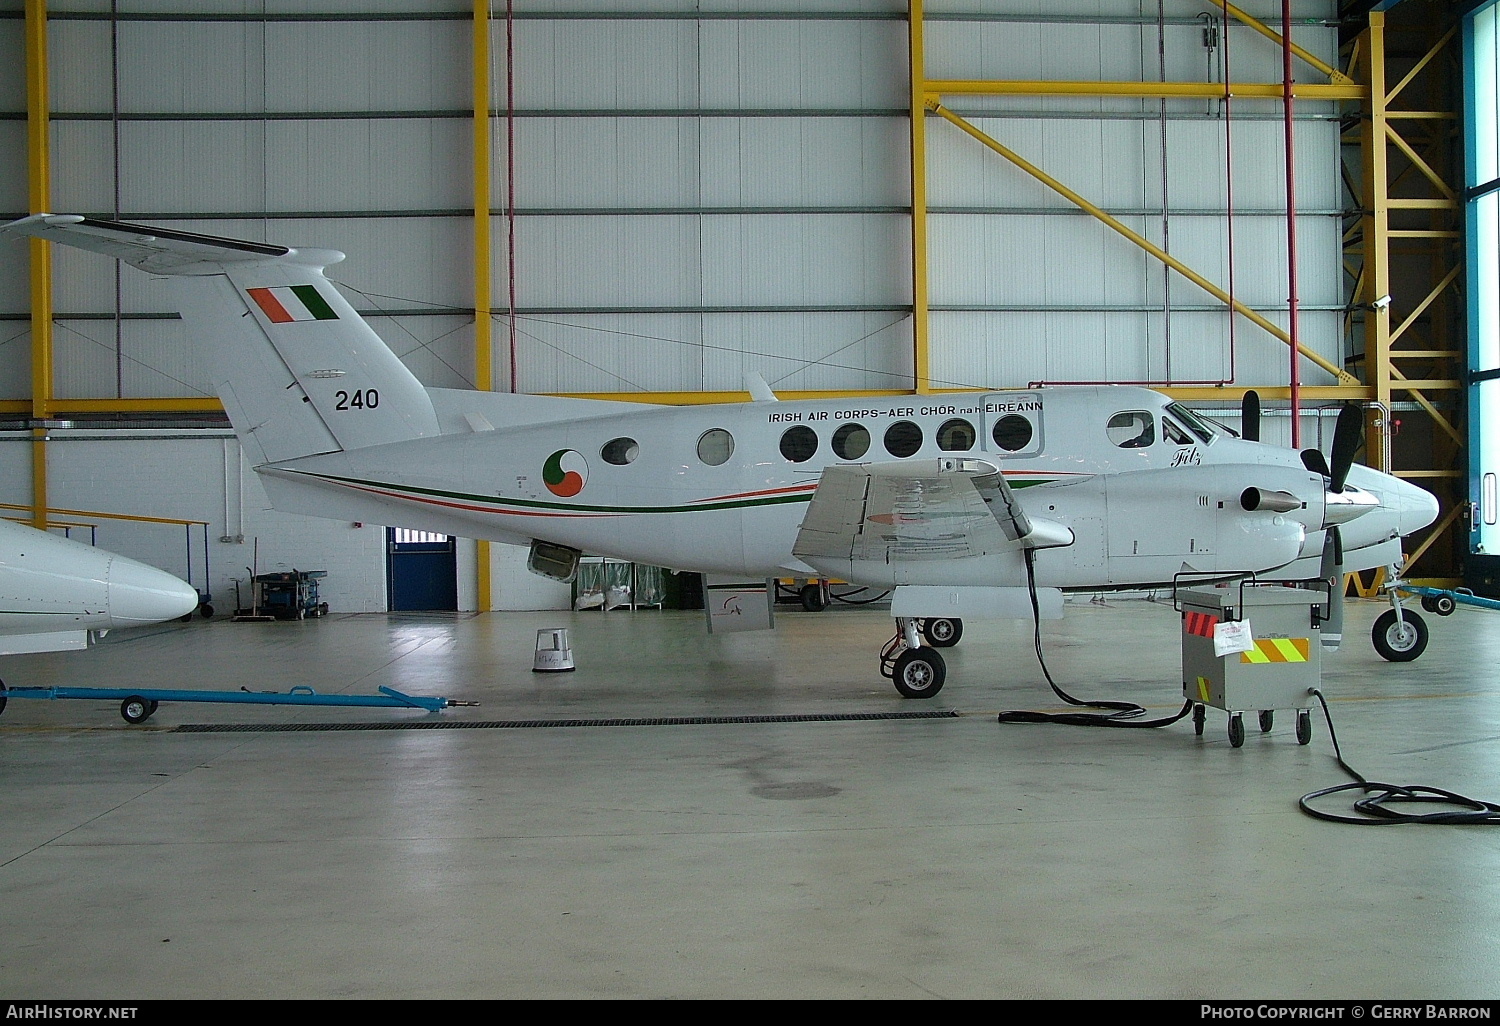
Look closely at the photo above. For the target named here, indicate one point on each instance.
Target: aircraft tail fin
(298, 370)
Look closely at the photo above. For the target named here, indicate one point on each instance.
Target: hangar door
(421, 570)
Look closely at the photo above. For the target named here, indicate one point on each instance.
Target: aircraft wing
(918, 511)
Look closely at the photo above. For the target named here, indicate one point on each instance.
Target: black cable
(848, 600)
(1125, 714)
(1377, 807)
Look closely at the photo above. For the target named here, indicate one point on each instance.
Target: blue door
(421, 570)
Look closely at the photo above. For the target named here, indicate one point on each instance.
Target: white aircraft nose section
(1416, 507)
(140, 594)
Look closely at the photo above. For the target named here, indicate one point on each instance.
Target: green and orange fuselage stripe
(473, 503)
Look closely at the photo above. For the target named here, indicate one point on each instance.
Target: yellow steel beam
(1420, 164)
(1375, 186)
(917, 62)
(112, 516)
(1427, 301)
(1340, 375)
(483, 264)
(1416, 69)
(1234, 393)
(39, 199)
(1436, 533)
(205, 404)
(1163, 90)
(1334, 75)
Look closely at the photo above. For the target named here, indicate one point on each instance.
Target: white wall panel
(804, 64)
(804, 259)
(367, 165)
(607, 261)
(367, 66)
(13, 72)
(806, 162)
(604, 65)
(668, 352)
(147, 359)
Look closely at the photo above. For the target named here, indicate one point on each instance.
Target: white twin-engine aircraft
(966, 504)
(56, 593)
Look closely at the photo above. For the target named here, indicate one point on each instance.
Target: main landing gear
(917, 670)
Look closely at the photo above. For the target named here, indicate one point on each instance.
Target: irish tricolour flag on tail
(284, 304)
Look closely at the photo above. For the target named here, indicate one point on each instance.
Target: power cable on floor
(1125, 714)
(1378, 807)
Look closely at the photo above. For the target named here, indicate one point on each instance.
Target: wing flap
(921, 511)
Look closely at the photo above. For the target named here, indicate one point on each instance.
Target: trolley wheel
(1444, 605)
(919, 673)
(323, 609)
(1399, 642)
(1198, 717)
(136, 709)
(206, 611)
(2, 696)
(1267, 719)
(1236, 730)
(942, 632)
(1304, 726)
(1429, 603)
(812, 598)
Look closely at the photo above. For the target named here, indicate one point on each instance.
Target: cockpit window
(1133, 429)
(1192, 422)
(1175, 434)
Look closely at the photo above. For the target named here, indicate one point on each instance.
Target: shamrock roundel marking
(565, 472)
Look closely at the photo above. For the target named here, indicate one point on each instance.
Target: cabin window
(1012, 432)
(1133, 429)
(851, 441)
(799, 443)
(902, 439)
(715, 446)
(956, 435)
(620, 451)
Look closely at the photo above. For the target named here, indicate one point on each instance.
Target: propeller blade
(1250, 416)
(1332, 571)
(1347, 435)
(1313, 460)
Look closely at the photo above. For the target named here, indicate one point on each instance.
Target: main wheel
(919, 673)
(812, 598)
(136, 709)
(1399, 642)
(942, 632)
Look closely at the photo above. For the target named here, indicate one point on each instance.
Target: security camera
(1381, 303)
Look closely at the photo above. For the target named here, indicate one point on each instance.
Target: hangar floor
(788, 855)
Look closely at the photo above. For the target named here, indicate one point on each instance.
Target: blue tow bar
(137, 705)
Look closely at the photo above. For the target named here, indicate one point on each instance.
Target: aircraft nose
(1415, 507)
(140, 594)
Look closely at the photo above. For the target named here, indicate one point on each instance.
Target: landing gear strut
(1399, 635)
(916, 670)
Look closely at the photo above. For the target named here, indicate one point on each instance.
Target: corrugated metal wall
(701, 189)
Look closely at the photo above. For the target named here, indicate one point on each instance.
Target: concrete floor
(862, 858)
